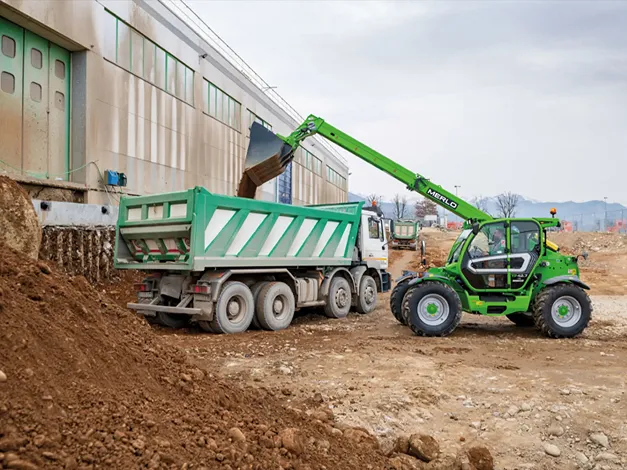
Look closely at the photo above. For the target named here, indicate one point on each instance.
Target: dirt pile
(19, 226)
(86, 384)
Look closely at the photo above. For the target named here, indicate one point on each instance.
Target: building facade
(93, 85)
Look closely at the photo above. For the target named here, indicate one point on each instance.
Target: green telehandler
(496, 267)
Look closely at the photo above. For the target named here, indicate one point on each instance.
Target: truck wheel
(275, 306)
(234, 309)
(562, 311)
(434, 309)
(396, 301)
(339, 302)
(256, 289)
(171, 321)
(367, 298)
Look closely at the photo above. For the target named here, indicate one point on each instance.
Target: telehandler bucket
(267, 158)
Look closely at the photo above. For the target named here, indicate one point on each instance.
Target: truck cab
(373, 241)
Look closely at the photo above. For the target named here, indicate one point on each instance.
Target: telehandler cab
(496, 267)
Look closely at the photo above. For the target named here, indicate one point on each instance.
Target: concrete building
(94, 85)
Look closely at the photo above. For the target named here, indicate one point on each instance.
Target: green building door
(35, 91)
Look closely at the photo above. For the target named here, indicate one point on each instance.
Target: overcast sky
(494, 96)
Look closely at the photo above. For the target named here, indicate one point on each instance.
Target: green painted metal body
(516, 291)
(405, 230)
(196, 230)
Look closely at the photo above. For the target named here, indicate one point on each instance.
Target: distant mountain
(589, 212)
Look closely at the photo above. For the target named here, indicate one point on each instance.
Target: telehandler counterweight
(497, 267)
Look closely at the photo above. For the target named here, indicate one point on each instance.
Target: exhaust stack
(267, 157)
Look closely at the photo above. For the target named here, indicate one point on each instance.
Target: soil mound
(19, 226)
(86, 384)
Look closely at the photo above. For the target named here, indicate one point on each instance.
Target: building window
(7, 83)
(59, 69)
(8, 47)
(36, 58)
(252, 117)
(336, 179)
(35, 92)
(221, 106)
(311, 162)
(140, 56)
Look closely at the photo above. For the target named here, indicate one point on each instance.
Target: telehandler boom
(496, 267)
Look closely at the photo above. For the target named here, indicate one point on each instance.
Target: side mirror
(475, 228)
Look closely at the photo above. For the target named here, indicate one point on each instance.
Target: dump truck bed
(195, 230)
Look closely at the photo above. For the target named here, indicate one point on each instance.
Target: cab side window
(490, 241)
(374, 228)
(525, 237)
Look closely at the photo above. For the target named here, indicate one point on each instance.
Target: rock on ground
(20, 226)
(552, 450)
(423, 447)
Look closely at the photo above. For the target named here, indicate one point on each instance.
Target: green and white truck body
(404, 234)
(274, 259)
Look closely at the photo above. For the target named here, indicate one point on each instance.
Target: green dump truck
(404, 234)
(226, 263)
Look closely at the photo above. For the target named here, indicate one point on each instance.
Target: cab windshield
(457, 246)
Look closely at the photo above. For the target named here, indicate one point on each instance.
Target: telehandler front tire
(562, 311)
(434, 309)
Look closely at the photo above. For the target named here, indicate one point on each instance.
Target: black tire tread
(359, 307)
(328, 306)
(262, 300)
(543, 301)
(396, 301)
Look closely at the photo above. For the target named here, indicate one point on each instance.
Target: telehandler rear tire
(434, 309)
(396, 301)
(562, 311)
(234, 309)
(521, 319)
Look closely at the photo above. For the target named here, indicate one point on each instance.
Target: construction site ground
(85, 384)
(523, 395)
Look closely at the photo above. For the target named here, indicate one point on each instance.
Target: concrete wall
(128, 122)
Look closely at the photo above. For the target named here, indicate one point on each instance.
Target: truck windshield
(457, 246)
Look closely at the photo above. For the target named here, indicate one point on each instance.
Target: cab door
(485, 262)
(525, 246)
(375, 250)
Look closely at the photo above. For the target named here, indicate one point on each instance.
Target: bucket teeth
(266, 158)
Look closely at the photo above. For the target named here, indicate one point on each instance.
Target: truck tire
(521, 319)
(170, 321)
(367, 296)
(256, 289)
(339, 301)
(562, 311)
(275, 306)
(396, 301)
(435, 309)
(234, 309)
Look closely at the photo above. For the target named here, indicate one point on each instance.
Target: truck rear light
(142, 287)
(201, 289)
